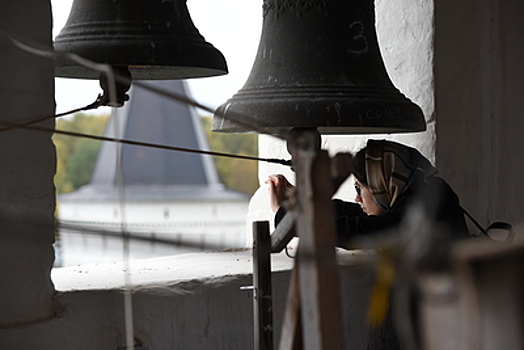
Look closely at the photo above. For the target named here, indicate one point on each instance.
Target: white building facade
(165, 202)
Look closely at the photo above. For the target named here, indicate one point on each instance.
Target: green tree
(76, 156)
(237, 174)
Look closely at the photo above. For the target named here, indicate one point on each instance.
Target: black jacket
(436, 197)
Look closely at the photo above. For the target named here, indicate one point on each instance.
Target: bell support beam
(314, 303)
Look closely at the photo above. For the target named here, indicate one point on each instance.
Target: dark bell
(154, 39)
(318, 65)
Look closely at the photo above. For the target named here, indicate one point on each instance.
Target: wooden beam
(263, 304)
(318, 273)
(284, 232)
(291, 337)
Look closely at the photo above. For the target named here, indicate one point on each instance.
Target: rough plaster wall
(179, 304)
(213, 314)
(405, 34)
(479, 54)
(28, 166)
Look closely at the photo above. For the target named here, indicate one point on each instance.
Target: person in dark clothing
(390, 178)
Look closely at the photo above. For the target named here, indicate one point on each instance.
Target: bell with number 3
(319, 66)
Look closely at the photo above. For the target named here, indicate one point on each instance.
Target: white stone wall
(211, 217)
(190, 301)
(172, 227)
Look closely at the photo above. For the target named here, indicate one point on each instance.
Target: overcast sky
(232, 26)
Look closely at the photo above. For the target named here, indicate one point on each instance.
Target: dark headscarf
(391, 168)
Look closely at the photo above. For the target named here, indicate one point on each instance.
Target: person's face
(365, 198)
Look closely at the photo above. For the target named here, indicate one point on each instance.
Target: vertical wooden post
(313, 317)
(263, 305)
(314, 308)
(291, 337)
(318, 272)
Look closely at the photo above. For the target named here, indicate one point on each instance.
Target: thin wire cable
(94, 229)
(179, 242)
(240, 119)
(128, 297)
(108, 70)
(90, 106)
(27, 125)
(237, 118)
(148, 144)
(104, 68)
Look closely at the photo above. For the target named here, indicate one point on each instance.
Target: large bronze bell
(319, 66)
(154, 39)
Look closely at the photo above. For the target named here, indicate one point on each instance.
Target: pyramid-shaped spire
(153, 174)
(152, 118)
(159, 194)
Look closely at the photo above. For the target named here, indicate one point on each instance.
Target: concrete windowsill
(161, 271)
(173, 269)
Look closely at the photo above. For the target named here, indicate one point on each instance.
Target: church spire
(149, 117)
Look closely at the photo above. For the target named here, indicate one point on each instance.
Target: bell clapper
(122, 84)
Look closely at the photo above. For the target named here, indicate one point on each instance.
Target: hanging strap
(503, 226)
(496, 225)
(482, 230)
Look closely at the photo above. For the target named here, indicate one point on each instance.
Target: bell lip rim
(414, 121)
(162, 61)
(147, 73)
(279, 130)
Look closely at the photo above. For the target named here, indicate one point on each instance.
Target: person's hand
(278, 190)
